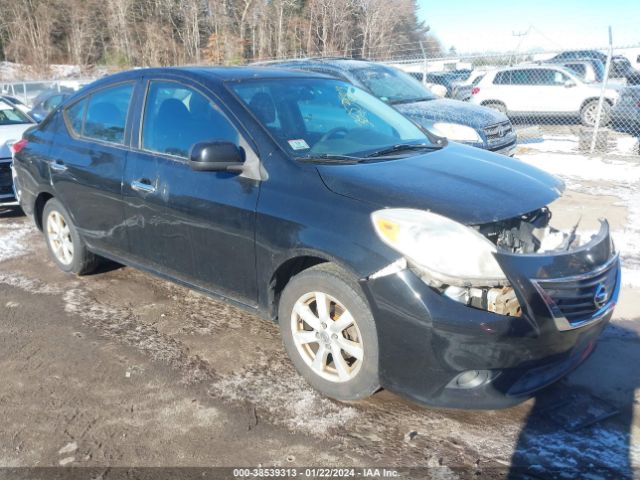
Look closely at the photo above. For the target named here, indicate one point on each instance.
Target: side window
(177, 116)
(107, 114)
(502, 78)
(75, 116)
(521, 77)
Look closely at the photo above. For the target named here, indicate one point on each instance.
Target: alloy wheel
(591, 114)
(327, 337)
(59, 236)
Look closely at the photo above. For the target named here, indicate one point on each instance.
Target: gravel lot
(122, 369)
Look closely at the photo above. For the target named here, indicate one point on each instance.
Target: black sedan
(388, 258)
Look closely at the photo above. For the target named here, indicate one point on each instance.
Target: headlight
(455, 132)
(447, 251)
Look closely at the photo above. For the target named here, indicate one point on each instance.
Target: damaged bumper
(464, 357)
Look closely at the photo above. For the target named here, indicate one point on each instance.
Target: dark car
(452, 82)
(458, 121)
(620, 66)
(46, 102)
(388, 257)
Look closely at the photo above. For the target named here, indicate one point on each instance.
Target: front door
(194, 226)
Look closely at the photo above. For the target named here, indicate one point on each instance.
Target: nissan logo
(600, 296)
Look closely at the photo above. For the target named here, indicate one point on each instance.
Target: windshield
(315, 116)
(10, 115)
(392, 85)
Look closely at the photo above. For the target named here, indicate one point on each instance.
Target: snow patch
(276, 389)
(12, 239)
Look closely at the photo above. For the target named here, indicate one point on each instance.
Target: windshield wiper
(410, 100)
(404, 146)
(330, 158)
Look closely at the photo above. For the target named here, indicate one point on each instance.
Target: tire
(358, 378)
(589, 111)
(65, 246)
(500, 107)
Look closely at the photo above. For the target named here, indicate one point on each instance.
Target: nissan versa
(388, 257)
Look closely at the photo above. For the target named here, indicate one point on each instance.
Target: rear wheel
(66, 247)
(329, 333)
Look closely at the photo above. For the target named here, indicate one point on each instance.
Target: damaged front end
(513, 267)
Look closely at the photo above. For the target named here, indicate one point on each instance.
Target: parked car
(13, 122)
(458, 121)
(19, 104)
(620, 65)
(454, 83)
(47, 101)
(590, 71)
(387, 256)
(543, 90)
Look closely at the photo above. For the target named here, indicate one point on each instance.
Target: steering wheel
(331, 133)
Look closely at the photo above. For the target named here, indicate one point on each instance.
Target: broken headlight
(444, 251)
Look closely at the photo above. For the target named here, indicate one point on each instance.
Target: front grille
(582, 298)
(498, 131)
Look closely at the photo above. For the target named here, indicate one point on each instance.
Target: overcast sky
(482, 25)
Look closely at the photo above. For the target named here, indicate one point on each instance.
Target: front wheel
(65, 245)
(329, 333)
(589, 113)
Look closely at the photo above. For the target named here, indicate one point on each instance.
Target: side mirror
(216, 157)
(569, 84)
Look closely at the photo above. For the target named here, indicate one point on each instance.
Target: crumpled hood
(447, 110)
(10, 134)
(466, 184)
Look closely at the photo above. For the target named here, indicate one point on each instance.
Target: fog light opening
(470, 379)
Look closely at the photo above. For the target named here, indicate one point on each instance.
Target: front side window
(392, 85)
(10, 115)
(106, 114)
(309, 116)
(176, 117)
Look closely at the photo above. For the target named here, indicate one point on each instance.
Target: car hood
(447, 110)
(466, 184)
(10, 134)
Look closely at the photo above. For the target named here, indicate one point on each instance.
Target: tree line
(173, 32)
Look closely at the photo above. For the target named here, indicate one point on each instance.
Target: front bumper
(426, 341)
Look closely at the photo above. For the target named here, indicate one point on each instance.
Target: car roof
(338, 63)
(219, 74)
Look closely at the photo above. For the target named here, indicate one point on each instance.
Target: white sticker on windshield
(298, 144)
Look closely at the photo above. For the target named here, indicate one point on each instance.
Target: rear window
(502, 78)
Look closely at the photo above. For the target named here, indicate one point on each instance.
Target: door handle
(143, 185)
(58, 166)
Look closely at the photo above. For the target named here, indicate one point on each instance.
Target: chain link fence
(582, 102)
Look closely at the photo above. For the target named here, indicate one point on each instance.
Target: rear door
(87, 164)
(194, 226)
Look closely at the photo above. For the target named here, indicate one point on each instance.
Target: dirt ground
(122, 369)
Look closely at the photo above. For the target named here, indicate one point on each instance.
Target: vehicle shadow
(582, 427)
